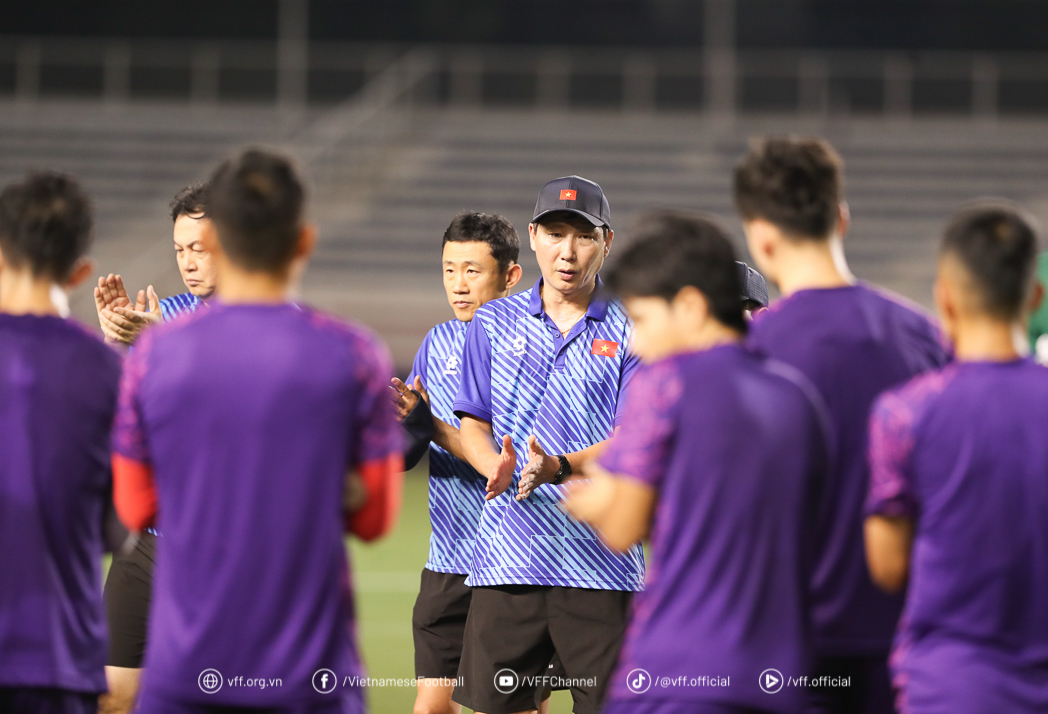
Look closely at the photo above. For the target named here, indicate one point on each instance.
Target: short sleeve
(418, 424)
(474, 393)
(891, 491)
(378, 434)
(129, 430)
(641, 449)
(630, 363)
(418, 367)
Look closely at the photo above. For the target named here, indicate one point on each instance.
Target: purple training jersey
(853, 343)
(736, 447)
(251, 416)
(58, 391)
(964, 453)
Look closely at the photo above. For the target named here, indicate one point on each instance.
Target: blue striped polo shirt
(172, 307)
(522, 376)
(456, 490)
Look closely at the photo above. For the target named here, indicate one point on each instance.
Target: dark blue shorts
(40, 700)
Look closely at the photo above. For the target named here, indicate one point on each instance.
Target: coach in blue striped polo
(123, 321)
(129, 585)
(543, 373)
(479, 255)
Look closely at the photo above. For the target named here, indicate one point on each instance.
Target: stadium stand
(384, 218)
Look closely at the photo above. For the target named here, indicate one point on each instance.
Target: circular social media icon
(638, 681)
(506, 681)
(210, 681)
(771, 680)
(324, 681)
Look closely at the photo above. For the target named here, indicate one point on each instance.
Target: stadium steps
(131, 160)
(377, 258)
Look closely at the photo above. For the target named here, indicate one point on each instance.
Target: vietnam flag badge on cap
(568, 194)
(605, 348)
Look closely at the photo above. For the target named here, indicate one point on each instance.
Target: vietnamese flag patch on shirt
(605, 348)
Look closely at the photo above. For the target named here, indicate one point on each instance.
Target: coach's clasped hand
(406, 398)
(541, 468)
(121, 320)
(502, 472)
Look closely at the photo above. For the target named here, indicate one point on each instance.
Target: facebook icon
(324, 681)
(638, 681)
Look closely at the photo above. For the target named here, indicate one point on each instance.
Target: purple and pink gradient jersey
(736, 447)
(963, 452)
(251, 416)
(853, 343)
(58, 390)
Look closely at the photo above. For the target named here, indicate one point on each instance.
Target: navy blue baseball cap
(575, 195)
(754, 286)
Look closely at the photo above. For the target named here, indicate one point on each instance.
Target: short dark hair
(673, 250)
(572, 219)
(257, 202)
(191, 201)
(496, 231)
(997, 245)
(796, 184)
(45, 224)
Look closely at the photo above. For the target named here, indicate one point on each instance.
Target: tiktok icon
(638, 681)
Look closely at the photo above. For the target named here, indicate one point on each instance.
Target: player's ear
(513, 275)
(83, 268)
(532, 232)
(945, 302)
(843, 220)
(691, 304)
(307, 241)
(608, 238)
(1036, 297)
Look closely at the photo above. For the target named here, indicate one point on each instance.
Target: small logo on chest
(519, 345)
(452, 365)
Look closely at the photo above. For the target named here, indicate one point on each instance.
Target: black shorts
(437, 624)
(555, 678)
(128, 591)
(42, 700)
(521, 627)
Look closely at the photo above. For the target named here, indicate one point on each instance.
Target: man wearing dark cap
(543, 373)
(754, 290)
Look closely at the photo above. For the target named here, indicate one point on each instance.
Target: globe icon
(210, 681)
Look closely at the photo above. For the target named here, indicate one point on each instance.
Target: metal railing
(343, 147)
(628, 79)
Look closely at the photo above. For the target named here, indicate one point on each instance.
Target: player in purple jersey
(123, 321)
(720, 457)
(958, 500)
(479, 260)
(252, 602)
(852, 341)
(129, 584)
(58, 387)
(542, 373)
